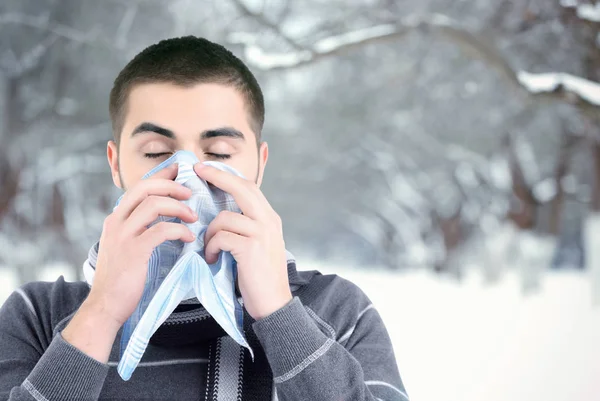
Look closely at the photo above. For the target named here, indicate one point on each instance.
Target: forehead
(186, 108)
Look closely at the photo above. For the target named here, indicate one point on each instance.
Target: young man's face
(210, 120)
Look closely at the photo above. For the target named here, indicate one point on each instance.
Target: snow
(53, 271)
(333, 43)
(441, 20)
(266, 61)
(549, 82)
(472, 342)
(591, 240)
(569, 183)
(466, 176)
(8, 282)
(587, 11)
(590, 12)
(545, 190)
(568, 3)
(526, 158)
(469, 341)
(499, 172)
(263, 60)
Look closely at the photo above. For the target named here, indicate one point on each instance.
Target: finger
(165, 231)
(169, 172)
(152, 186)
(233, 222)
(154, 206)
(223, 241)
(245, 193)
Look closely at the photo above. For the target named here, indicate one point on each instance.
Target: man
(316, 337)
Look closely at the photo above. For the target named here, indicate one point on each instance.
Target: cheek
(132, 172)
(247, 165)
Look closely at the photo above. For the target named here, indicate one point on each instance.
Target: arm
(307, 364)
(31, 371)
(34, 364)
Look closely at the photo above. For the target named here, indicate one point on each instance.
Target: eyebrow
(223, 131)
(228, 132)
(149, 127)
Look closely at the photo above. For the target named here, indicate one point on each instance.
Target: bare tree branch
(264, 21)
(42, 23)
(31, 59)
(125, 25)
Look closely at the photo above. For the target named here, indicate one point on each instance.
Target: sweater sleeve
(33, 370)
(310, 361)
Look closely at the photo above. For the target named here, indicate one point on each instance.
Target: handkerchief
(178, 271)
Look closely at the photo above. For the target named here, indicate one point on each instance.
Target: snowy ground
(473, 342)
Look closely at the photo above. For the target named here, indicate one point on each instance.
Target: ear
(112, 154)
(263, 156)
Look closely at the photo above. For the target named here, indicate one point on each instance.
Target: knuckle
(109, 222)
(152, 201)
(217, 238)
(143, 187)
(224, 214)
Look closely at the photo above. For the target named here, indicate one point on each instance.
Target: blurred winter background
(442, 154)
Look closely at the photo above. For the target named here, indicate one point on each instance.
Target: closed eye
(218, 155)
(155, 155)
(221, 156)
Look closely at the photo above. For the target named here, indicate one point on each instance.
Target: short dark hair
(186, 61)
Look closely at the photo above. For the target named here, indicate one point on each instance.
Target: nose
(195, 150)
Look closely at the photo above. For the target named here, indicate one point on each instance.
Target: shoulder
(334, 299)
(46, 303)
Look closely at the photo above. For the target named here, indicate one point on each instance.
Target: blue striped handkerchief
(177, 271)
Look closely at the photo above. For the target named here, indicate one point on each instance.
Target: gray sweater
(328, 343)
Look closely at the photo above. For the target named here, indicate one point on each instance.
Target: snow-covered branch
(582, 92)
(585, 11)
(264, 21)
(561, 83)
(436, 24)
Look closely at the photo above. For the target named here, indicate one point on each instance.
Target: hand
(254, 239)
(127, 243)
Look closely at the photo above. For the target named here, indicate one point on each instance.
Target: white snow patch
(545, 190)
(526, 157)
(333, 43)
(591, 241)
(568, 3)
(8, 282)
(499, 171)
(587, 11)
(267, 60)
(590, 12)
(466, 176)
(548, 82)
(9, 279)
(53, 271)
(261, 59)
